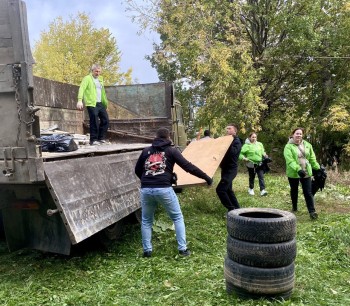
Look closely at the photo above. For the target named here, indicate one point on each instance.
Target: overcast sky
(107, 14)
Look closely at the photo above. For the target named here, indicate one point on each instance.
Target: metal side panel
(9, 119)
(92, 193)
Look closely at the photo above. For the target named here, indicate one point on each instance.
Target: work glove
(209, 181)
(301, 173)
(245, 159)
(80, 105)
(268, 160)
(320, 172)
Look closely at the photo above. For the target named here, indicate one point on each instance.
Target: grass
(120, 276)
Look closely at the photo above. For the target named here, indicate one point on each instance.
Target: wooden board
(206, 155)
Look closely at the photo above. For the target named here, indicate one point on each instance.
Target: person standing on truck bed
(155, 170)
(93, 93)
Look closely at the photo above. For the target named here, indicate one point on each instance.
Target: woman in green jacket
(300, 160)
(253, 153)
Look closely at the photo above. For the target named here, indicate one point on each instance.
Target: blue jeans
(150, 198)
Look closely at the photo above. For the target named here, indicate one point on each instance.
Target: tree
(203, 46)
(269, 64)
(67, 50)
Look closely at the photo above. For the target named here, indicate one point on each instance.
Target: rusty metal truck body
(49, 201)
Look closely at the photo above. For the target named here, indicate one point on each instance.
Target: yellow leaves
(338, 119)
(67, 50)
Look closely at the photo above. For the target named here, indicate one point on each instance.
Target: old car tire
(254, 282)
(264, 255)
(244, 294)
(266, 225)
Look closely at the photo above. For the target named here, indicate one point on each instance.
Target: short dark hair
(234, 125)
(163, 133)
(206, 133)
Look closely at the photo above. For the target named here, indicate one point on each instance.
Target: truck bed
(87, 150)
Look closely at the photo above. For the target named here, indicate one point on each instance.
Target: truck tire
(138, 215)
(266, 225)
(114, 231)
(2, 231)
(263, 255)
(254, 282)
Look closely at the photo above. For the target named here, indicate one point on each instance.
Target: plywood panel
(206, 155)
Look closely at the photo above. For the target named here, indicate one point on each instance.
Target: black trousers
(307, 190)
(224, 189)
(252, 173)
(99, 122)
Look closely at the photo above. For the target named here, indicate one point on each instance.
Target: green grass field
(120, 276)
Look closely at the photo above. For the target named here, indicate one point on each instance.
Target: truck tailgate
(92, 193)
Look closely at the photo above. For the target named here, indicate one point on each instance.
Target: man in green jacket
(93, 93)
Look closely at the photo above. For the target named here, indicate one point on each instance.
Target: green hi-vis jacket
(253, 151)
(88, 93)
(292, 160)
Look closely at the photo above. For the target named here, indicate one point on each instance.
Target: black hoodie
(156, 163)
(230, 160)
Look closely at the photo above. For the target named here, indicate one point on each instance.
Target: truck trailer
(50, 201)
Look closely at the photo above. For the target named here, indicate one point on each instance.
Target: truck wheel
(263, 255)
(2, 231)
(266, 225)
(138, 215)
(253, 282)
(111, 233)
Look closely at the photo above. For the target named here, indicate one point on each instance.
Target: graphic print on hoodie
(155, 163)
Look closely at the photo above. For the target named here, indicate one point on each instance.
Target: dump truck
(50, 201)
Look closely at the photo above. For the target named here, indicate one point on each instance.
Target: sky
(110, 14)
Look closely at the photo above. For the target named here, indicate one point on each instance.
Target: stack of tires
(261, 249)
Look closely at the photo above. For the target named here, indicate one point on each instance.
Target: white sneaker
(263, 192)
(95, 143)
(251, 191)
(102, 142)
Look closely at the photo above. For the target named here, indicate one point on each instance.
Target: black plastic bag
(319, 179)
(264, 164)
(58, 143)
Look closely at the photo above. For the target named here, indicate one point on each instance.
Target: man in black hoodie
(155, 170)
(229, 167)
